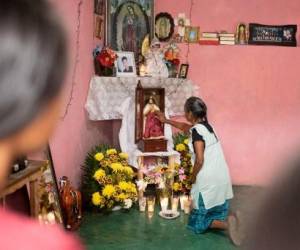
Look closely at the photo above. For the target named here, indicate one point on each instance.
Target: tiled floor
(134, 230)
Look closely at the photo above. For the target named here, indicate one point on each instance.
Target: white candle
(151, 204)
(142, 204)
(164, 202)
(175, 202)
(187, 206)
(182, 198)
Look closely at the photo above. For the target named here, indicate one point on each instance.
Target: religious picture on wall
(153, 128)
(99, 7)
(99, 23)
(128, 23)
(164, 26)
(191, 34)
(125, 64)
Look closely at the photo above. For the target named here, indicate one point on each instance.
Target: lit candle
(175, 202)
(187, 206)
(164, 202)
(182, 198)
(142, 204)
(151, 204)
(142, 70)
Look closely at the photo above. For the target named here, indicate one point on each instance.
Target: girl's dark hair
(32, 61)
(197, 107)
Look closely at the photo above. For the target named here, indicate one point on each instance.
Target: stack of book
(209, 38)
(227, 38)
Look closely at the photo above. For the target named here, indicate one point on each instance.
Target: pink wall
(252, 92)
(75, 135)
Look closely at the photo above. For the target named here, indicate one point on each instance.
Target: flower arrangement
(104, 60)
(182, 175)
(171, 56)
(108, 182)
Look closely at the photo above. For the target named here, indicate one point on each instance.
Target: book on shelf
(227, 38)
(226, 35)
(209, 42)
(227, 42)
(208, 39)
(210, 34)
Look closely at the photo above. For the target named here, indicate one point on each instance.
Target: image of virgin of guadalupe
(130, 26)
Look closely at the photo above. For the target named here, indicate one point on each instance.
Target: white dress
(213, 180)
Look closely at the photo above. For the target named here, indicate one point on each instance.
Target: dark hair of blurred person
(33, 60)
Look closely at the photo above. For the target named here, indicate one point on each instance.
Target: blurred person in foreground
(276, 224)
(32, 68)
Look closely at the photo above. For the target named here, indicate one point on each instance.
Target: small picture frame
(99, 7)
(99, 27)
(125, 64)
(184, 68)
(191, 34)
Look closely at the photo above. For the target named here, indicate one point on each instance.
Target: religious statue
(155, 65)
(153, 128)
(131, 29)
(241, 34)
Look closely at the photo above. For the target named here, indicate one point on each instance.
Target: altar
(112, 98)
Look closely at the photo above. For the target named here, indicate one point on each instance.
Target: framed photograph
(184, 68)
(191, 34)
(49, 208)
(99, 7)
(164, 26)
(128, 23)
(125, 64)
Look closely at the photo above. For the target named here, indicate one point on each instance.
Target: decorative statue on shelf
(153, 128)
(241, 34)
(155, 65)
(71, 203)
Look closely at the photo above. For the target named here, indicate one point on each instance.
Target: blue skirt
(201, 219)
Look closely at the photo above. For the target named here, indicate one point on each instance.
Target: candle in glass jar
(182, 198)
(187, 206)
(175, 202)
(151, 204)
(142, 204)
(164, 202)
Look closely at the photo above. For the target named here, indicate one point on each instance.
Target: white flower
(127, 203)
(141, 185)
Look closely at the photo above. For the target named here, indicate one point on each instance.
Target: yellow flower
(180, 147)
(99, 156)
(111, 151)
(97, 199)
(186, 141)
(128, 170)
(108, 191)
(131, 188)
(123, 185)
(122, 196)
(123, 156)
(176, 186)
(100, 173)
(116, 167)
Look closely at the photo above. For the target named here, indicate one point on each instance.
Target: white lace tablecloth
(107, 94)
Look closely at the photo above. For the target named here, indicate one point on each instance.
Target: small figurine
(241, 34)
(155, 65)
(71, 203)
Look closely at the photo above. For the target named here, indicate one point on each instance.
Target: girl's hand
(161, 116)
